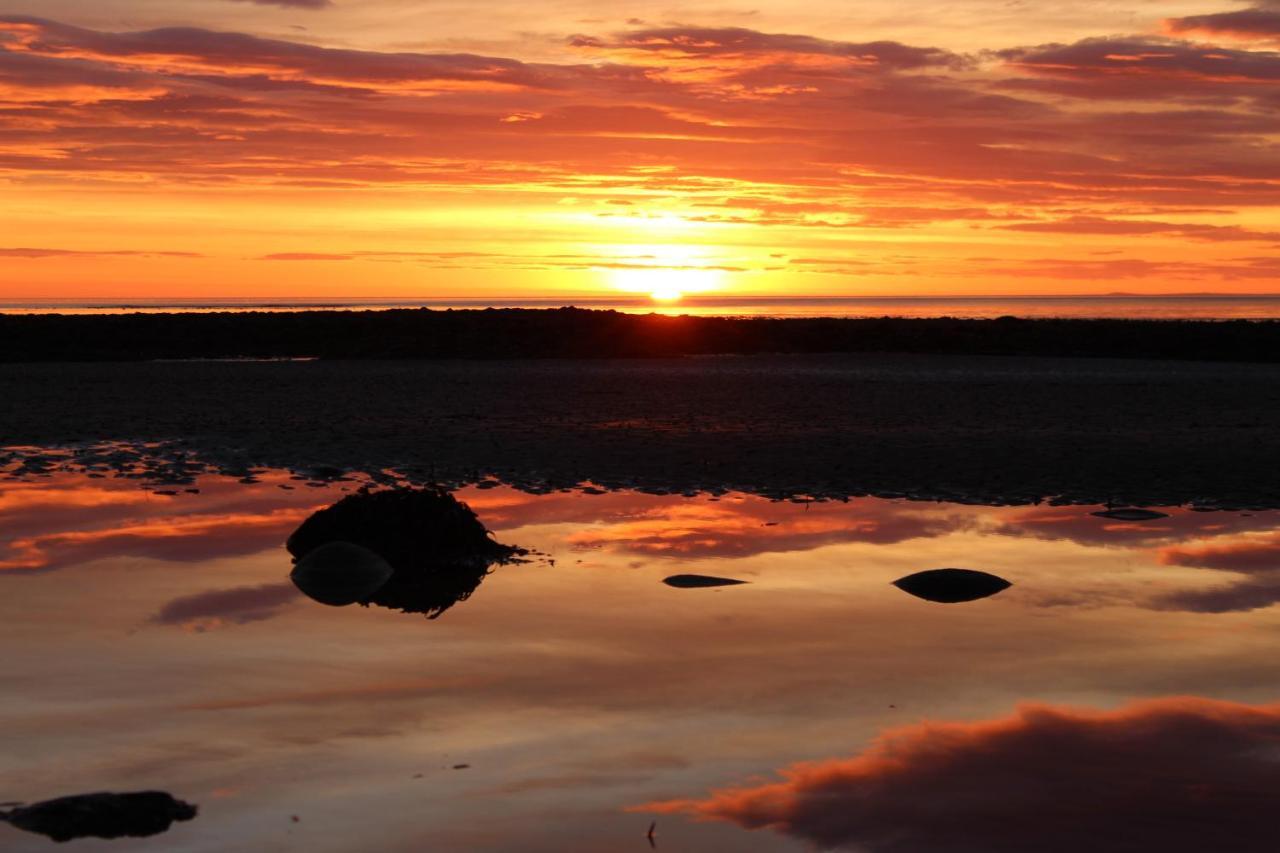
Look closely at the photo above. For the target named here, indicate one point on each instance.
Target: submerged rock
(101, 815)
(952, 586)
(699, 581)
(437, 549)
(340, 573)
(1131, 514)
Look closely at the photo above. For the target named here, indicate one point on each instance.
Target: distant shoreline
(526, 333)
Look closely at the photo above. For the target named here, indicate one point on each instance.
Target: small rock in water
(951, 586)
(699, 581)
(102, 815)
(340, 573)
(1131, 514)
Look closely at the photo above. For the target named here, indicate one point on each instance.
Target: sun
(665, 273)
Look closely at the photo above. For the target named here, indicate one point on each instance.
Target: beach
(968, 429)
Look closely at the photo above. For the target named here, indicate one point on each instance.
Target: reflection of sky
(181, 661)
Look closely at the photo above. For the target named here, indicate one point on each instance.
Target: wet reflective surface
(155, 641)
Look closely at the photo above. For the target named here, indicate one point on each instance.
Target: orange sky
(410, 148)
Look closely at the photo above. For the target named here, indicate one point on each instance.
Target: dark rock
(101, 815)
(952, 586)
(437, 548)
(699, 581)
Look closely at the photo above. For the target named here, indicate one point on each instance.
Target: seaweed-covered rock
(101, 815)
(438, 549)
(952, 586)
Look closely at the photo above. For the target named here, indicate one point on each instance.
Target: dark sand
(980, 429)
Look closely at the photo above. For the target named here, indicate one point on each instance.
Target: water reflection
(1182, 774)
(184, 659)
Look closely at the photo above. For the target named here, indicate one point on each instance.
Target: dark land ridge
(576, 333)
(964, 428)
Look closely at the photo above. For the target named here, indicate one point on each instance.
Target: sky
(413, 148)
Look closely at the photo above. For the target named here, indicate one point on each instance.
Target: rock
(1131, 514)
(340, 573)
(699, 581)
(437, 549)
(101, 815)
(952, 586)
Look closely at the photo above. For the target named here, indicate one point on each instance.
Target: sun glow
(665, 273)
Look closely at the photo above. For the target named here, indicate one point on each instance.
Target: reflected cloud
(1256, 555)
(1250, 554)
(1177, 774)
(218, 608)
(179, 539)
(689, 530)
(1234, 598)
(1078, 524)
(76, 519)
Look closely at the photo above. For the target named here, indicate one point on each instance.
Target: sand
(977, 429)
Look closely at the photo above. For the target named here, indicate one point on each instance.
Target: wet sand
(977, 429)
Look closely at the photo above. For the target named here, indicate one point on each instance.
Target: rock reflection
(699, 581)
(101, 815)
(413, 550)
(1131, 514)
(952, 586)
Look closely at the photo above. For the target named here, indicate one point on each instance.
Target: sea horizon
(1175, 306)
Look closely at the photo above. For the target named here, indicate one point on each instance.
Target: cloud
(33, 253)
(237, 606)
(1253, 23)
(728, 127)
(1176, 775)
(190, 50)
(305, 256)
(700, 43)
(1103, 226)
(1137, 66)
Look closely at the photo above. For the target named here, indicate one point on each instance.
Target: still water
(1118, 695)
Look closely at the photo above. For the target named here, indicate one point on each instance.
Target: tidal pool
(1120, 693)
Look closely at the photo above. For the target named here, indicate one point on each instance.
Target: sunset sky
(207, 148)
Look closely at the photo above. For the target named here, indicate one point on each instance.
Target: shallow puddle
(154, 641)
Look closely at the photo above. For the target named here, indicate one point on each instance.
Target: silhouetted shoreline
(579, 333)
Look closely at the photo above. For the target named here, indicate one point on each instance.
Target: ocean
(1165, 307)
